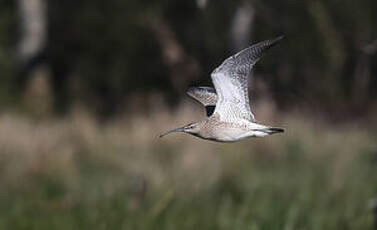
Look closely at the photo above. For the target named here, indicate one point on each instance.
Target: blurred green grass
(77, 173)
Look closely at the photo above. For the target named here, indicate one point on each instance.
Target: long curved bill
(173, 131)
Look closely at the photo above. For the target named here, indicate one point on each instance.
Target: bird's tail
(272, 130)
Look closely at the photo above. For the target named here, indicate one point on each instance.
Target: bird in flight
(229, 117)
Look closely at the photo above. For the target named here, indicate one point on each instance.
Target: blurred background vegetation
(86, 86)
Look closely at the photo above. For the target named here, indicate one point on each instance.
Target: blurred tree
(7, 23)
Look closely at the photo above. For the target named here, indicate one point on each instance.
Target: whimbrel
(229, 115)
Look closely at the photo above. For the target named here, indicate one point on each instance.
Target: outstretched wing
(206, 96)
(231, 82)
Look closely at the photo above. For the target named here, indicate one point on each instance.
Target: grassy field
(77, 173)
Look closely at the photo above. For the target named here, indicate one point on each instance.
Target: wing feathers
(206, 96)
(231, 81)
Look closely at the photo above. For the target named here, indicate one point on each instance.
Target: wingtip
(280, 37)
(277, 39)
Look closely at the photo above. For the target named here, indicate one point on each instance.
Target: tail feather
(273, 130)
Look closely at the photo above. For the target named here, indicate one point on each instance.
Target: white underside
(236, 134)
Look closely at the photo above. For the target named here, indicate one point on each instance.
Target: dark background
(99, 53)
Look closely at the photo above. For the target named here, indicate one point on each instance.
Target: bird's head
(192, 128)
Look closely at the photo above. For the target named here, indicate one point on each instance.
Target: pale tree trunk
(242, 25)
(34, 75)
(33, 24)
